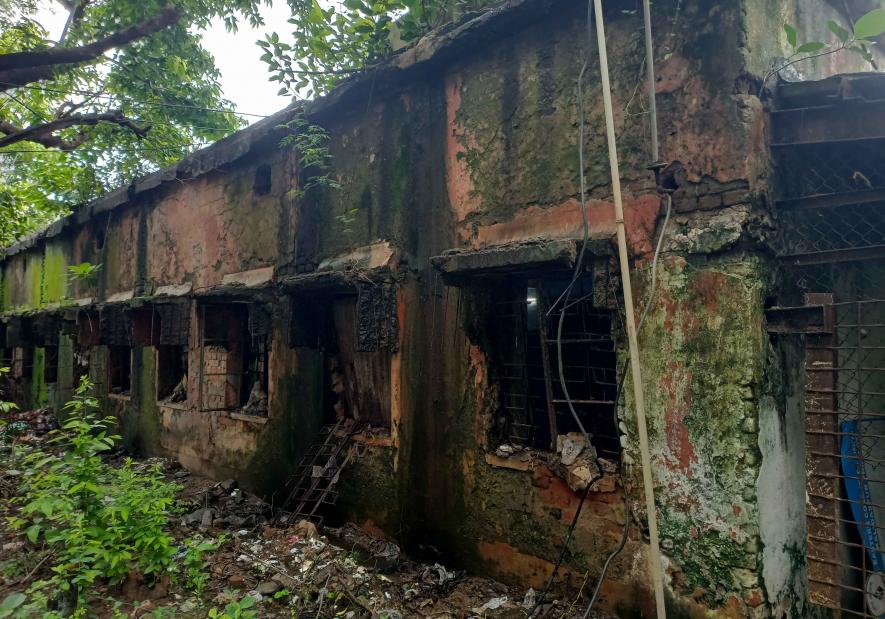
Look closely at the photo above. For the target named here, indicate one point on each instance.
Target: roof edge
(438, 47)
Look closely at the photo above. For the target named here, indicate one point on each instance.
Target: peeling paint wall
(480, 151)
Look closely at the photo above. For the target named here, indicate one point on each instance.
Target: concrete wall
(478, 150)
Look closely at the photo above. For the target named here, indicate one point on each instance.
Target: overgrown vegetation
(330, 41)
(858, 39)
(126, 88)
(96, 522)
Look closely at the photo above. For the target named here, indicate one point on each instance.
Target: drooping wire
(99, 95)
(564, 298)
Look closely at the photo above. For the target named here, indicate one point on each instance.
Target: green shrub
(100, 522)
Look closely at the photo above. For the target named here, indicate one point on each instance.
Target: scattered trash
(493, 604)
(530, 599)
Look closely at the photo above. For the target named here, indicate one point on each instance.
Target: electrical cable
(564, 299)
(99, 95)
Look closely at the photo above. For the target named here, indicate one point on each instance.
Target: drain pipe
(654, 555)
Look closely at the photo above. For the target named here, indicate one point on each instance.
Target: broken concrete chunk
(305, 529)
(196, 516)
(206, 520)
(570, 447)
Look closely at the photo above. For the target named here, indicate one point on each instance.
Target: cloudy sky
(243, 75)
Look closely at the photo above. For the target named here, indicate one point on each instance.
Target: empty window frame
(359, 379)
(50, 365)
(233, 359)
(22, 362)
(119, 369)
(172, 374)
(534, 408)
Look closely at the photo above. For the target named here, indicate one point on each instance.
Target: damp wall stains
(478, 148)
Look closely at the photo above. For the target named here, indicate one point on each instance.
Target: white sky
(244, 78)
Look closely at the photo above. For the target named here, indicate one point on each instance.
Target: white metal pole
(654, 555)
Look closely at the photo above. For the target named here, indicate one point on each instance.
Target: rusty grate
(533, 404)
(856, 280)
(845, 458)
(816, 170)
(812, 234)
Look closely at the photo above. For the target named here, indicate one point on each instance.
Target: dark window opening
(99, 240)
(119, 369)
(22, 362)
(533, 407)
(358, 380)
(172, 374)
(145, 326)
(50, 365)
(234, 358)
(263, 179)
(88, 329)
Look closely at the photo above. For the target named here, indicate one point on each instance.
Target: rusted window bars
(831, 208)
(531, 397)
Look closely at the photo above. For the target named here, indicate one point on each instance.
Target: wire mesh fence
(830, 169)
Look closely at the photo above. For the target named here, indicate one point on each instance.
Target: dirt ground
(290, 570)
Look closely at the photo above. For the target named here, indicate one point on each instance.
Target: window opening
(50, 365)
(358, 379)
(262, 185)
(533, 406)
(22, 362)
(172, 374)
(233, 358)
(119, 369)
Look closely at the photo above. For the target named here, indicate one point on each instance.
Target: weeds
(99, 522)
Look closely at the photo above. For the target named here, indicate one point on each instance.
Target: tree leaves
(792, 36)
(841, 33)
(810, 47)
(167, 81)
(870, 25)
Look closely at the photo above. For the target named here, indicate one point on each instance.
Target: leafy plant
(10, 603)
(84, 271)
(310, 142)
(857, 40)
(73, 130)
(241, 609)
(193, 563)
(97, 520)
(330, 41)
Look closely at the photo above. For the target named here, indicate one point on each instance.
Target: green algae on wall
(703, 356)
(54, 273)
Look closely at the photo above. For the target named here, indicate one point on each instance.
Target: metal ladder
(313, 482)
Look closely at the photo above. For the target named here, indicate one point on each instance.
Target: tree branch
(19, 68)
(44, 133)
(75, 14)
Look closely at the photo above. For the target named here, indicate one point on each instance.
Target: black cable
(564, 299)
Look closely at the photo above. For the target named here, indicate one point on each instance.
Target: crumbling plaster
(480, 151)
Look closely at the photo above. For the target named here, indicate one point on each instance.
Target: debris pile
(575, 460)
(26, 425)
(345, 573)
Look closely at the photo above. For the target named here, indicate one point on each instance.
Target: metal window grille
(845, 413)
(534, 405)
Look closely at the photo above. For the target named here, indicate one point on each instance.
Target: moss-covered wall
(477, 151)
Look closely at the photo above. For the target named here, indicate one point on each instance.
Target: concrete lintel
(173, 290)
(254, 278)
(333, 280)
(374, 256)
(504, 258)
(121, 297)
